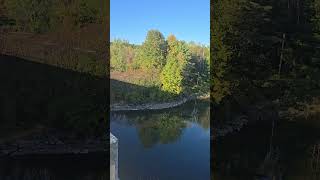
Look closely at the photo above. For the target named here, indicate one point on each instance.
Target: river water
(175, 144)
(164, 145)
(285, 150)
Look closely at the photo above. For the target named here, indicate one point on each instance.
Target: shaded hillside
(127, 93)
(34, 94)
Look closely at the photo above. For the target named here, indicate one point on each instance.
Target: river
(175, 144)
(164, 145)
(286, 150)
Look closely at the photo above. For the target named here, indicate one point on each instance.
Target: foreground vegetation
(265, 61)
(60, 82)
(165, 68)
(271, 46)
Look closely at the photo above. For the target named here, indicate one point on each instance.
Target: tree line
(179, 67)
(48, 15)
(258, 41)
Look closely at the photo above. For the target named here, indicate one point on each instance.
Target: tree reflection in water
(176, 134)
(166, 127)
(293, 152)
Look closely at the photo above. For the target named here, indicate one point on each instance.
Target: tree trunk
(281, 54)
(298, 11)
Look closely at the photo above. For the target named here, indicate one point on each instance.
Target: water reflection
(287, 149)
(164, 128)
(167, 144)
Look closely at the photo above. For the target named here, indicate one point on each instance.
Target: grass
(127, 93)
(137, 86)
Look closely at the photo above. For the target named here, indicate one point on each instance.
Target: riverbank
(52, 143)
(155, 106)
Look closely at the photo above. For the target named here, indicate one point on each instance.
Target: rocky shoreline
(53, 142)
(154, 106)
(249, 114)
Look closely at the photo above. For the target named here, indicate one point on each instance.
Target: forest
(269, 48)
(48, 15)
(265, 89)
(167, 67)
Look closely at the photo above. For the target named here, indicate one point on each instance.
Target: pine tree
(172, 75)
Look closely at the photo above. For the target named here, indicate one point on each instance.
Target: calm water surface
(164, 145)
(290, 152)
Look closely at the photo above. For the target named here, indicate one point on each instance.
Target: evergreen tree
(172, 75)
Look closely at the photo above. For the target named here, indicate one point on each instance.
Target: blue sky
(188, 20)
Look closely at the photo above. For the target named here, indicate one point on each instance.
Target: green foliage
(164, 129)
(196, 76)
(197, 70)
(314, 6)
(30, 14)
(87, 14)
(134, 94)
(45, 15)
(122, 55)
(172, 75)
(169, 68)
(152, 54)
(224, 18)
(72, 81)
(257, 41)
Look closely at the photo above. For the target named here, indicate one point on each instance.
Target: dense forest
(167, 66)
(48, 15)
(265, 74)
(266, 47)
